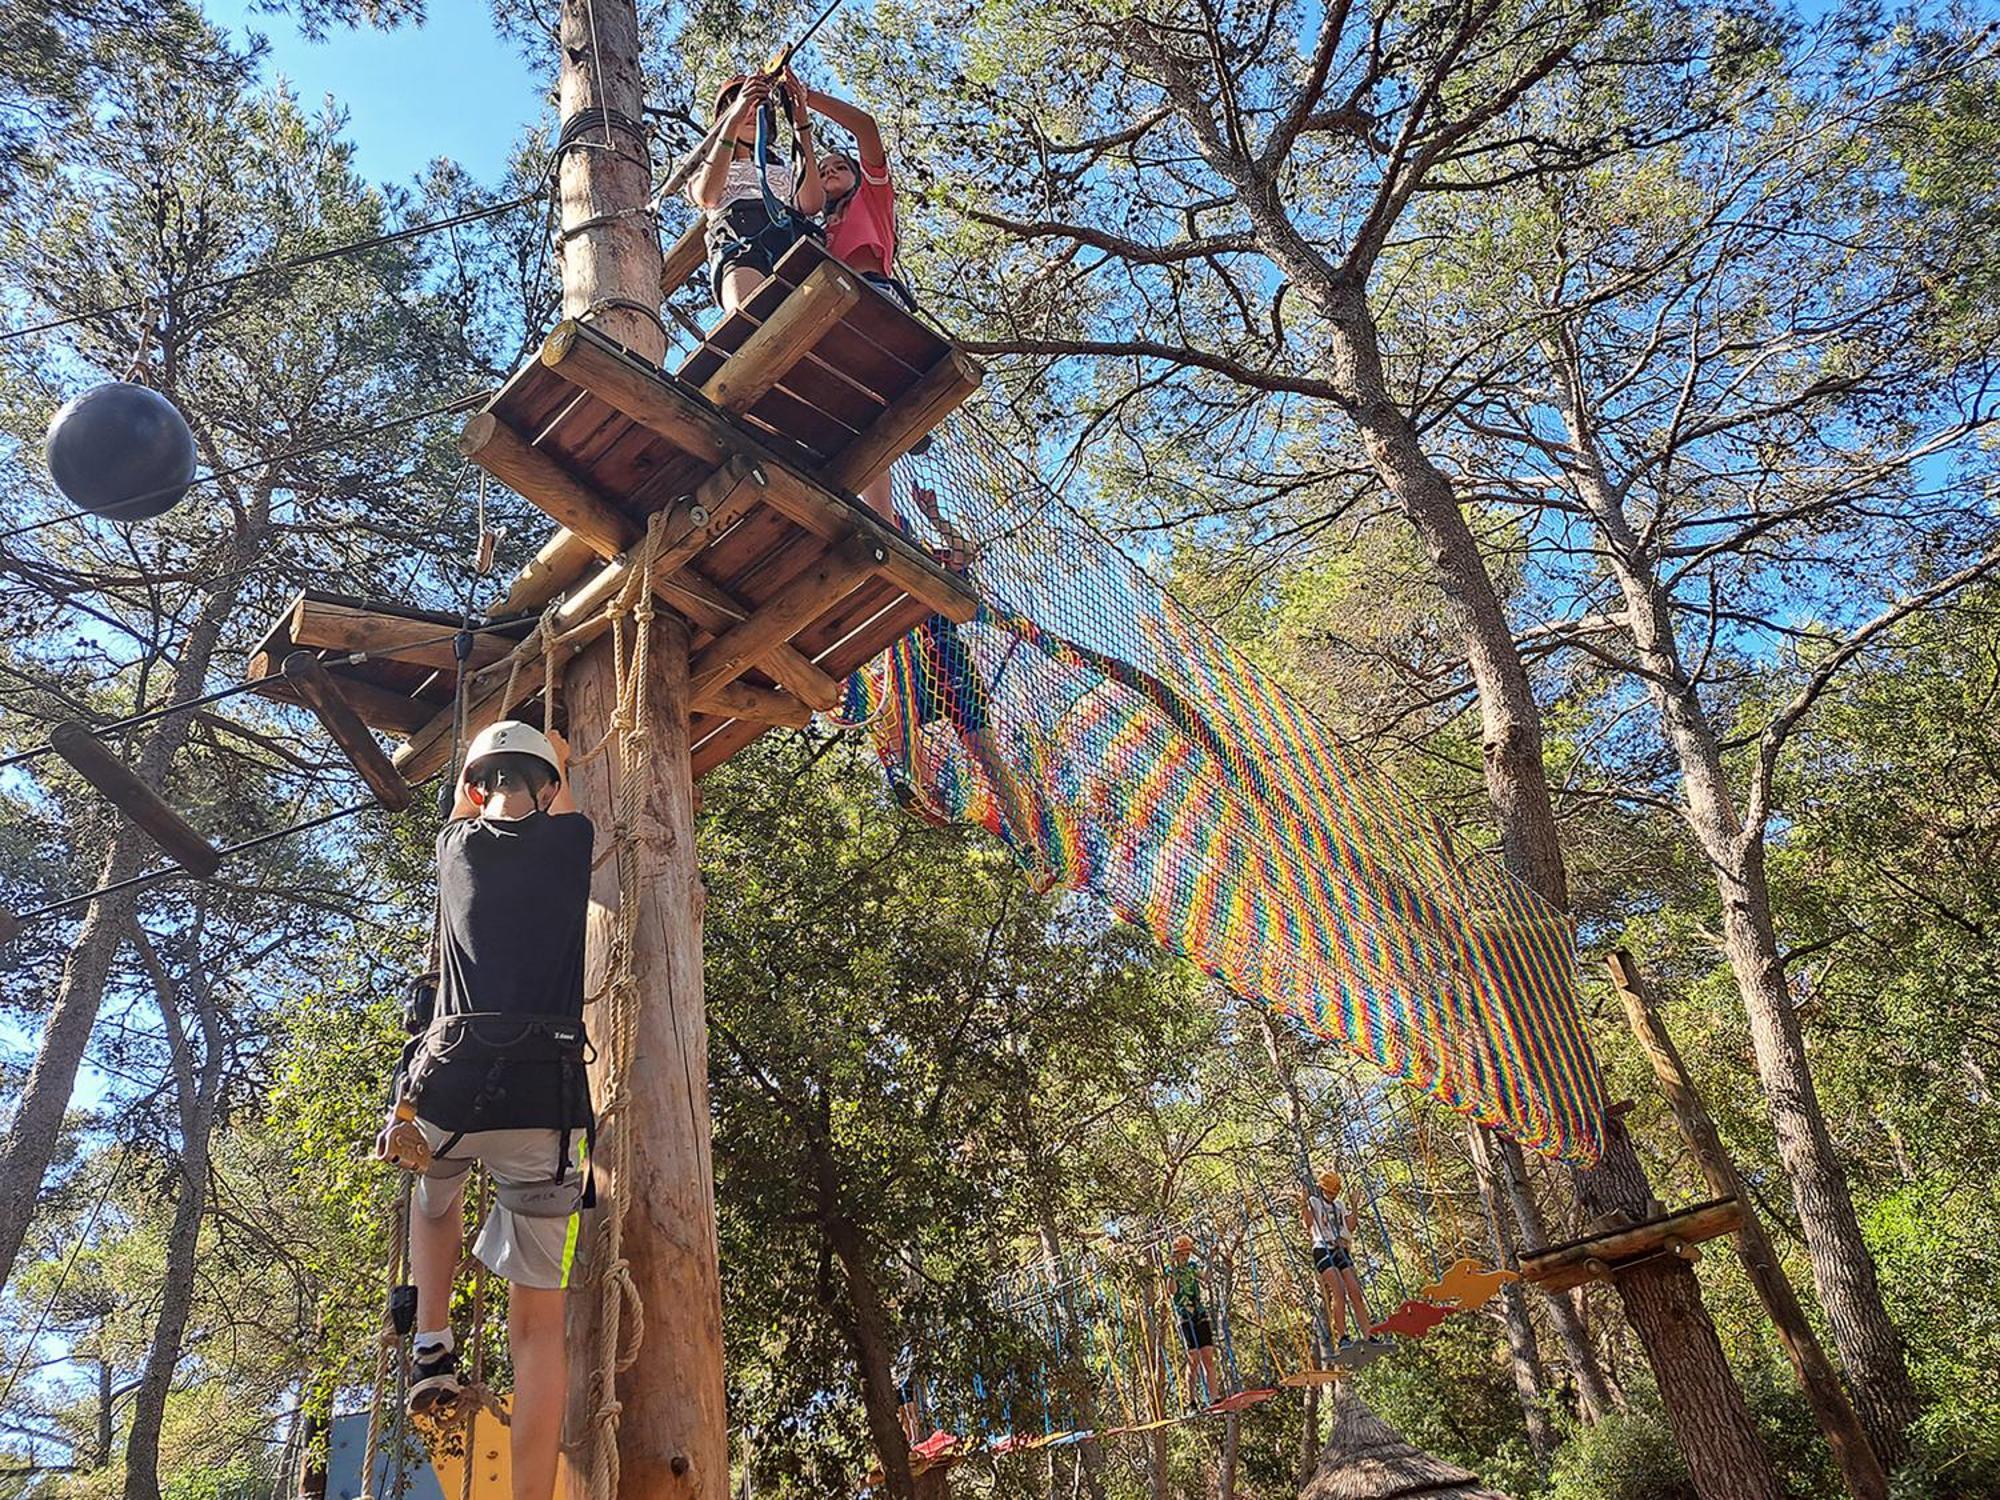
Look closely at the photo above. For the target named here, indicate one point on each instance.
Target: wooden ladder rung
(316, 687)
(95, 763)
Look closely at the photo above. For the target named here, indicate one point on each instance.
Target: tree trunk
(672, 1432)
(107, 1431)
(1156, 1463)
(1524, 1355)
(1232, 1437)
(196, 1092)
(31, 1138)
(1843, 1268)
(1309, 1444)
(1837, 1419)
(868, 1332)
(1595, 1397)
(1712, 1426)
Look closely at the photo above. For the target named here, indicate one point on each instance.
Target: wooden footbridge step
(755, 449)
(1605, 1255)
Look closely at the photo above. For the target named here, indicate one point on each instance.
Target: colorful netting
(1119, 746)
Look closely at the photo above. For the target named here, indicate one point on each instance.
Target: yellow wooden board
(491, 1451)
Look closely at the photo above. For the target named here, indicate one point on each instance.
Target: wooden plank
(815, 305)
(1578, 1261)
(725, 742)
(531, 473)
(379, 707)
(819, 510)
(812, 594)
(843, 357)
(943, 389)
(322, 695)
(345, 628)
(95, 763)
(715, 608)
(583, 356)
(763, 705)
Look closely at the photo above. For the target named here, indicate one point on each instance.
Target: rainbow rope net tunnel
(1119, 746)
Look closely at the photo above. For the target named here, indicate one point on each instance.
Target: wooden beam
(817, 509)
(684, 257)
(942, 390)
(761, 705)
(587, 360)
(717, 610)
(563, 558)
(322, 695)
(379, 707)
(94, 761)
(1814, 1371)
(836, 575)
(525, 469)
(423, 643)
(10, 927)
(584, 358)
(1572, 1264)
(784, 338)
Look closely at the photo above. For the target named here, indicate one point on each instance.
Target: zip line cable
(304, 450)
(278, 268)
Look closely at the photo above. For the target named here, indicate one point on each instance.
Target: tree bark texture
(868, 1331)
(1524, 1355)
(1843, 1268)
(672, 1435)
(197, 1089)
(1844, 1434)
(1595, 1397)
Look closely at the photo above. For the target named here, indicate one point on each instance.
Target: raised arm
(705, 190)
(858, 123)
(565, 799)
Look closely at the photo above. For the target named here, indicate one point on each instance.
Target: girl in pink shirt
(860, 218)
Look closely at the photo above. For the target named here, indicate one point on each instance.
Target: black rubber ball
(122, 451)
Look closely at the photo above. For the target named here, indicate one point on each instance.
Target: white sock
(433, 1344)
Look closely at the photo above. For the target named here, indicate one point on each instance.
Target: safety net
(1120, 746)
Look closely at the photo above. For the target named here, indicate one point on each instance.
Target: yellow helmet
(1329, 1183)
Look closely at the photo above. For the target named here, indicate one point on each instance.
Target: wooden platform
(1601, 1257)
(757, 449)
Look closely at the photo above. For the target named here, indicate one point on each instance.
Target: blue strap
(767, 129)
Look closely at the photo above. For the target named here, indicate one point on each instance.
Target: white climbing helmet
(509, 737)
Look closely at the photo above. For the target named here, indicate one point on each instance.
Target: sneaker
(434, 1388)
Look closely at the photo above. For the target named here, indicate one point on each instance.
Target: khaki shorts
(533, 1245)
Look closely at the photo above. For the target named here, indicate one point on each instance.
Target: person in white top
(1329, 1222)
(749, 228)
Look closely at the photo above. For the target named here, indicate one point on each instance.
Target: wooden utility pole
(672, 1432)
(1858, 1463)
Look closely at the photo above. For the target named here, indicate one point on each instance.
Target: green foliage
(1624, 1457)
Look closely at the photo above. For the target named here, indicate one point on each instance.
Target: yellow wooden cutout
(490, 1450)
(1467, 1285)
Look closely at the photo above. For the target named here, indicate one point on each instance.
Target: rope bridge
(1119, 746)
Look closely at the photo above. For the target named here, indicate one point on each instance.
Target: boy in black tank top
(498, 1077)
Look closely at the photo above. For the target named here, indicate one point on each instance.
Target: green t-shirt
(1186, 1281)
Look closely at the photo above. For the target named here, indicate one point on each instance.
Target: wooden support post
(322, 695)
(826, 583)
(684, 257)
(673, 1429)
(1815, 1373)
(94, 761)
(378, 707)
(767, 356)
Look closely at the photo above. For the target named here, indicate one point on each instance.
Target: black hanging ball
(122, 451)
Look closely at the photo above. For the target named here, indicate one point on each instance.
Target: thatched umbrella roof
(1367, 1459)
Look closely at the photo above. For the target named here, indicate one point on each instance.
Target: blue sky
(451, 87)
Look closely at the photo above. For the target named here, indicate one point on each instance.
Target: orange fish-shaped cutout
(1467, 1285)
(1414, 1319)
